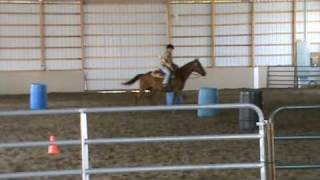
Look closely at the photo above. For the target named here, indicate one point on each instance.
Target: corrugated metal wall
(233, 34)
(121, 40)
(191, 32)
(273, 33)
(19, 37)
(313, 24)
(62, 31)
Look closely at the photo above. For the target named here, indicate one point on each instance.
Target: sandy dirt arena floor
(66, 127)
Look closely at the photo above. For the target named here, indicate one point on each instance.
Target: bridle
(195, 74)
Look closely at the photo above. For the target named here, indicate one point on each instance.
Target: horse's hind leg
(139, 93)
(139, 96)
(154, 96)
(142, 92)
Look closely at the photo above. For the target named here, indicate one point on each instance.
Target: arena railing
(271, 138)
(293, 76)
(86, 171)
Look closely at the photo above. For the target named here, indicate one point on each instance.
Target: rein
(194, 75)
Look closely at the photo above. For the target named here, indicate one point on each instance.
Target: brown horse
(154, 84)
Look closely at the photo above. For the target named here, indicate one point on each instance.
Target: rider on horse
(167, 65)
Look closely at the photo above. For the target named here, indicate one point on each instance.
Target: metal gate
(86, 171)
(273, 166)
(293, 76)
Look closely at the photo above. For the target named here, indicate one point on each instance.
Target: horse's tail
(133, 80)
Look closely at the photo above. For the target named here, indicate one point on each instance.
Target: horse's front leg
(177, 94)
(184, 97)
(174, 99)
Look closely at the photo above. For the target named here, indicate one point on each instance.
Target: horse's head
(198, 68)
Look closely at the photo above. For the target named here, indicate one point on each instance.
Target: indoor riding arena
(160, 89)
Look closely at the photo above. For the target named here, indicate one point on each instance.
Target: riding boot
(166, 88)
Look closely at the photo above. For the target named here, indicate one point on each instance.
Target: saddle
(157, 73)
(160, 74)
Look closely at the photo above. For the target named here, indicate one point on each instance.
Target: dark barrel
(247, 117)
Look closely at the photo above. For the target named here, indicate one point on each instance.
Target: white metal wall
(191, 33)
(232, 34)
(121, 41)
(62, 33)
(273, 33)
(313, 24)
(19, 37)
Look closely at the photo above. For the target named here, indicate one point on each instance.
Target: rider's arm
(165, 63)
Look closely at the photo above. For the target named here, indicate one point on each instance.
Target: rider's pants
(167, 74)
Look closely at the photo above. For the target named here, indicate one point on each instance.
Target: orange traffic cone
(53, 148)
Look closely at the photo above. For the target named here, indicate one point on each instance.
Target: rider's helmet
(170, 46)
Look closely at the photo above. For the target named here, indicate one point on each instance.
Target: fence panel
(271, 138)
(293, 76)
(86, 171)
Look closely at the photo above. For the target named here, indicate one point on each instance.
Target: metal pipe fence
(293, 76)
(271, 138)
(86, 171)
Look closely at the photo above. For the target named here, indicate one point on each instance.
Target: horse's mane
(187, 65)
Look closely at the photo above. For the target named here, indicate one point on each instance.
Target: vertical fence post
(84, 145)
(253, 32)
(268, 76)
(213, 28)
(270, 149)
(263, 158)
(294, 32)
(83, 48)
(42, 36)
(272, 153)
(170, 23)
(295, 77)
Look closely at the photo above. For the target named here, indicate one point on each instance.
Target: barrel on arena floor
(248, 118)
(207, 96)
(38, 96)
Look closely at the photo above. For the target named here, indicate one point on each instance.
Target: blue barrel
(170, 96)
(207, 96)
(38, 96)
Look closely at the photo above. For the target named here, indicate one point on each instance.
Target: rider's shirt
(166, 58)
